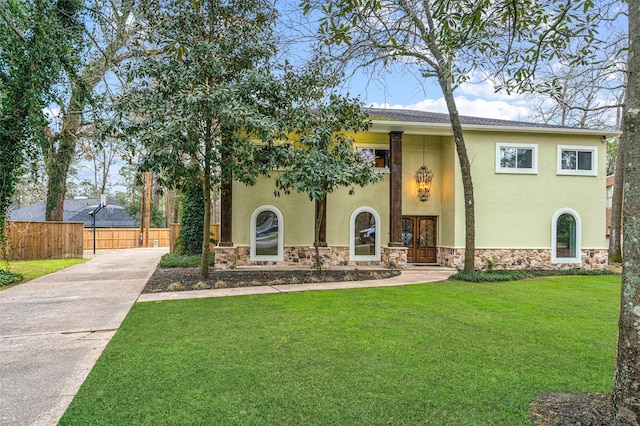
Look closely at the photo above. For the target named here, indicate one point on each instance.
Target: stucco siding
(297, 211)
(515, 210)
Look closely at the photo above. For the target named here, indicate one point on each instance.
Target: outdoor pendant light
(423, 179)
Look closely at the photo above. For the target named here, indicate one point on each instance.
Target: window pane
(584, 160)
(382, 158)
(267, 234)
(367, 154)
(525, 158)
(508, 158)
(569, 160)
(566, 236)
(365, 235)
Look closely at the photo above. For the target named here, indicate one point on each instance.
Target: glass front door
(419, 236)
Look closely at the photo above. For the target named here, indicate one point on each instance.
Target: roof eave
(444, 129)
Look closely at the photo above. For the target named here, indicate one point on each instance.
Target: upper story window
(577, 160)
(378, 156)
(516, 158)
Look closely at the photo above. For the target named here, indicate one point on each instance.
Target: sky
(407, 92)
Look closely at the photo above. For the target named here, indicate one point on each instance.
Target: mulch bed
(181, 279)
(564, 409)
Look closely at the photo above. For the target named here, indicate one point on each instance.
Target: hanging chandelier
(423, 179)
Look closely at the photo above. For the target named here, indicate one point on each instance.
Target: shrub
(519, 274)
(7, 278)
(177, 260)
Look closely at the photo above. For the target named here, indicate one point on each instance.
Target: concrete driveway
(54, 328)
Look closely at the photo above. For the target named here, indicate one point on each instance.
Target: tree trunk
(320, 212)
(57, 160)
(465, 170)
(615, 237)
(626, 388)
(206, 187)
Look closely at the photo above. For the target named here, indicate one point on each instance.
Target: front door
(419, 236)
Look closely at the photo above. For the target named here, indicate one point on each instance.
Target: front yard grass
(32, 269)
(438, 354)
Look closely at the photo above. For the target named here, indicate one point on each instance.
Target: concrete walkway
(53, 329)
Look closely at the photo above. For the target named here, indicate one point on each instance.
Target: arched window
(364, 235)
(267, 234)
(566, 237)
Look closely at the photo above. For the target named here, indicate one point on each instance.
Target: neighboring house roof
(610, 180)
(409, 119)
(77, 210)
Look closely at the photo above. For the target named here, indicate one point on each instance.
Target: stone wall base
(519, 259)
(232, 257)
(396, 257)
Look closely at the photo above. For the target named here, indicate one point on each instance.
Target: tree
(448, 40)
(626, 388)
(39, 45)
(202, 93)
(111, 29)
(324, 158)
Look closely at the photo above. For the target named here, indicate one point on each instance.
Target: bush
(7, 278)
(516, 275)
(176, 260)
(192, 228)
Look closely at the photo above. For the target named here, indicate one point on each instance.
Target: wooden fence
(44, 240)
(120, 238)
(174, 231)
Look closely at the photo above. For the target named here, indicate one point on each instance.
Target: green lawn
(452, 353)
(32, 269)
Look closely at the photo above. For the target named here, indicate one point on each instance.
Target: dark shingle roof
(77, 210)
(440, 118)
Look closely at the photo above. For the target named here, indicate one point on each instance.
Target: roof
(407, 120)
(77, 210)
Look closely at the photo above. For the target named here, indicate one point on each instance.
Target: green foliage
(177, 260)
(7, 277)
(438, 354)
(192, 220)
(491, 275)
(40, 42)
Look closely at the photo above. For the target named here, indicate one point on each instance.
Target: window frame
(554, 240)
(378, 148)
(578, 148)
(266, 258)
(515, 170)
(352, 224)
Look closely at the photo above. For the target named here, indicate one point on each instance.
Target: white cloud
(476, 99)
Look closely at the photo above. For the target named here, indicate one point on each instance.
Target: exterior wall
(340, 205)
(513, 211)
(297, 210)
(520, 259)
(304, 256)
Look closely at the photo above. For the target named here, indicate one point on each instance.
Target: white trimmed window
(577, 160)
(516, 158)
(267, 234)
(566, 237)
(364, 235)
(378, 155)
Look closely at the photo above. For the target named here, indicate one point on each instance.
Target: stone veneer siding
(232, 257)
(396, 257)
(520, 259)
